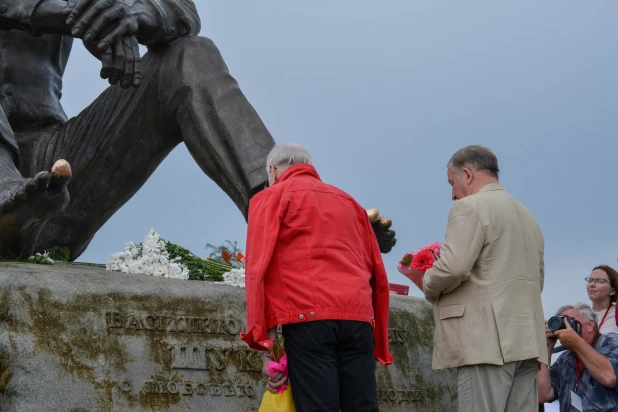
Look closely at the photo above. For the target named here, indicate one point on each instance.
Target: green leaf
(199, 269)
(60, 253)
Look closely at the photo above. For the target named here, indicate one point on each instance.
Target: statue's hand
(381, 228)
(122, 63)
(105, 22)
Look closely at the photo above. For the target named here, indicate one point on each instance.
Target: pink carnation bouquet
(282, 401)
(413, 265)
(279, 363)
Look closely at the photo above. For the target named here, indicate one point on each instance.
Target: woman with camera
(602, 289)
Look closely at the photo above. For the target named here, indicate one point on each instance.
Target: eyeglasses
(599, 281)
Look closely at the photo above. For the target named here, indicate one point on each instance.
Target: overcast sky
(383, 93)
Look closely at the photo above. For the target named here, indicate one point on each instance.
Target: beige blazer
(486, 286)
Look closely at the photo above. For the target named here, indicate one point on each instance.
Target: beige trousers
(498, 388)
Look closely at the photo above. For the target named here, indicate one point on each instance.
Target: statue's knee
(195, 44)
(194, 57)
(198, 50)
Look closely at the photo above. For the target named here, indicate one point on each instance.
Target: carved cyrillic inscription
(198, 388)
(397, 335)
(174, 324)
(215, 358)
(399, 396)
(125, 386)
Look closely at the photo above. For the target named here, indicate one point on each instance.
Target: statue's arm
(151, 22)
(49, 18)
(34, 16)
(163, 20)
(160, 22)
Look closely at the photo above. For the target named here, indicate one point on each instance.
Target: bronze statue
(180, 91)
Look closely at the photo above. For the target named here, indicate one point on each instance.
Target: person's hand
(274, 381)
(105, 22)
(122, 63)
(568, 337)
(550, 337)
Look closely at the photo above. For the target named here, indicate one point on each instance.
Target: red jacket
(312, 255)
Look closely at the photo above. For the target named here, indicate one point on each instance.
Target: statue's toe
(60, 176)
(31, 186)
(42, 179)
(6, 205)
(386, 223)
(20, 195)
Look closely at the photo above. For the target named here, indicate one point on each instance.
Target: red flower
(423, 260)
(240, 257)
(435, 248)
(226, 256)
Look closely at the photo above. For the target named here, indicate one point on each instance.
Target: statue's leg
(115, 144)
(222, 131)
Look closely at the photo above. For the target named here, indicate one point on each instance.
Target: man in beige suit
(486, 291)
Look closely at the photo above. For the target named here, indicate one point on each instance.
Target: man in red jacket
(313, 266)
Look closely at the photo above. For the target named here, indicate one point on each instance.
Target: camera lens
(554, 323)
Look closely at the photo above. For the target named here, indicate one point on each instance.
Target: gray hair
(476, 157)
(585, 311)
(287, 154)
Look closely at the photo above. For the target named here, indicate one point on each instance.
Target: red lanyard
(604, 316)
(592, 343)
(577, 365)
(578, 373)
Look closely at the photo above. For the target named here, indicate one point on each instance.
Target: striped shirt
(595, 396)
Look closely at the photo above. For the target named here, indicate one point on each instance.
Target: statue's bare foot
(25, 206)
(381, 227)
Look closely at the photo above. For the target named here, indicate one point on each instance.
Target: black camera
(557, 323)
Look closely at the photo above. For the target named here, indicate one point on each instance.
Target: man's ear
(468, 174)
(591, 326)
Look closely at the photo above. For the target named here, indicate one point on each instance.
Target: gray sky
(383, 93)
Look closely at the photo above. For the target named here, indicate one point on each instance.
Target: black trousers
(331, 366)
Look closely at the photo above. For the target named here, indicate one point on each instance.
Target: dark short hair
(476, 157)
(612, 274)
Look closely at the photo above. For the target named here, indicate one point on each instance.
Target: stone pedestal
(77, 338)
